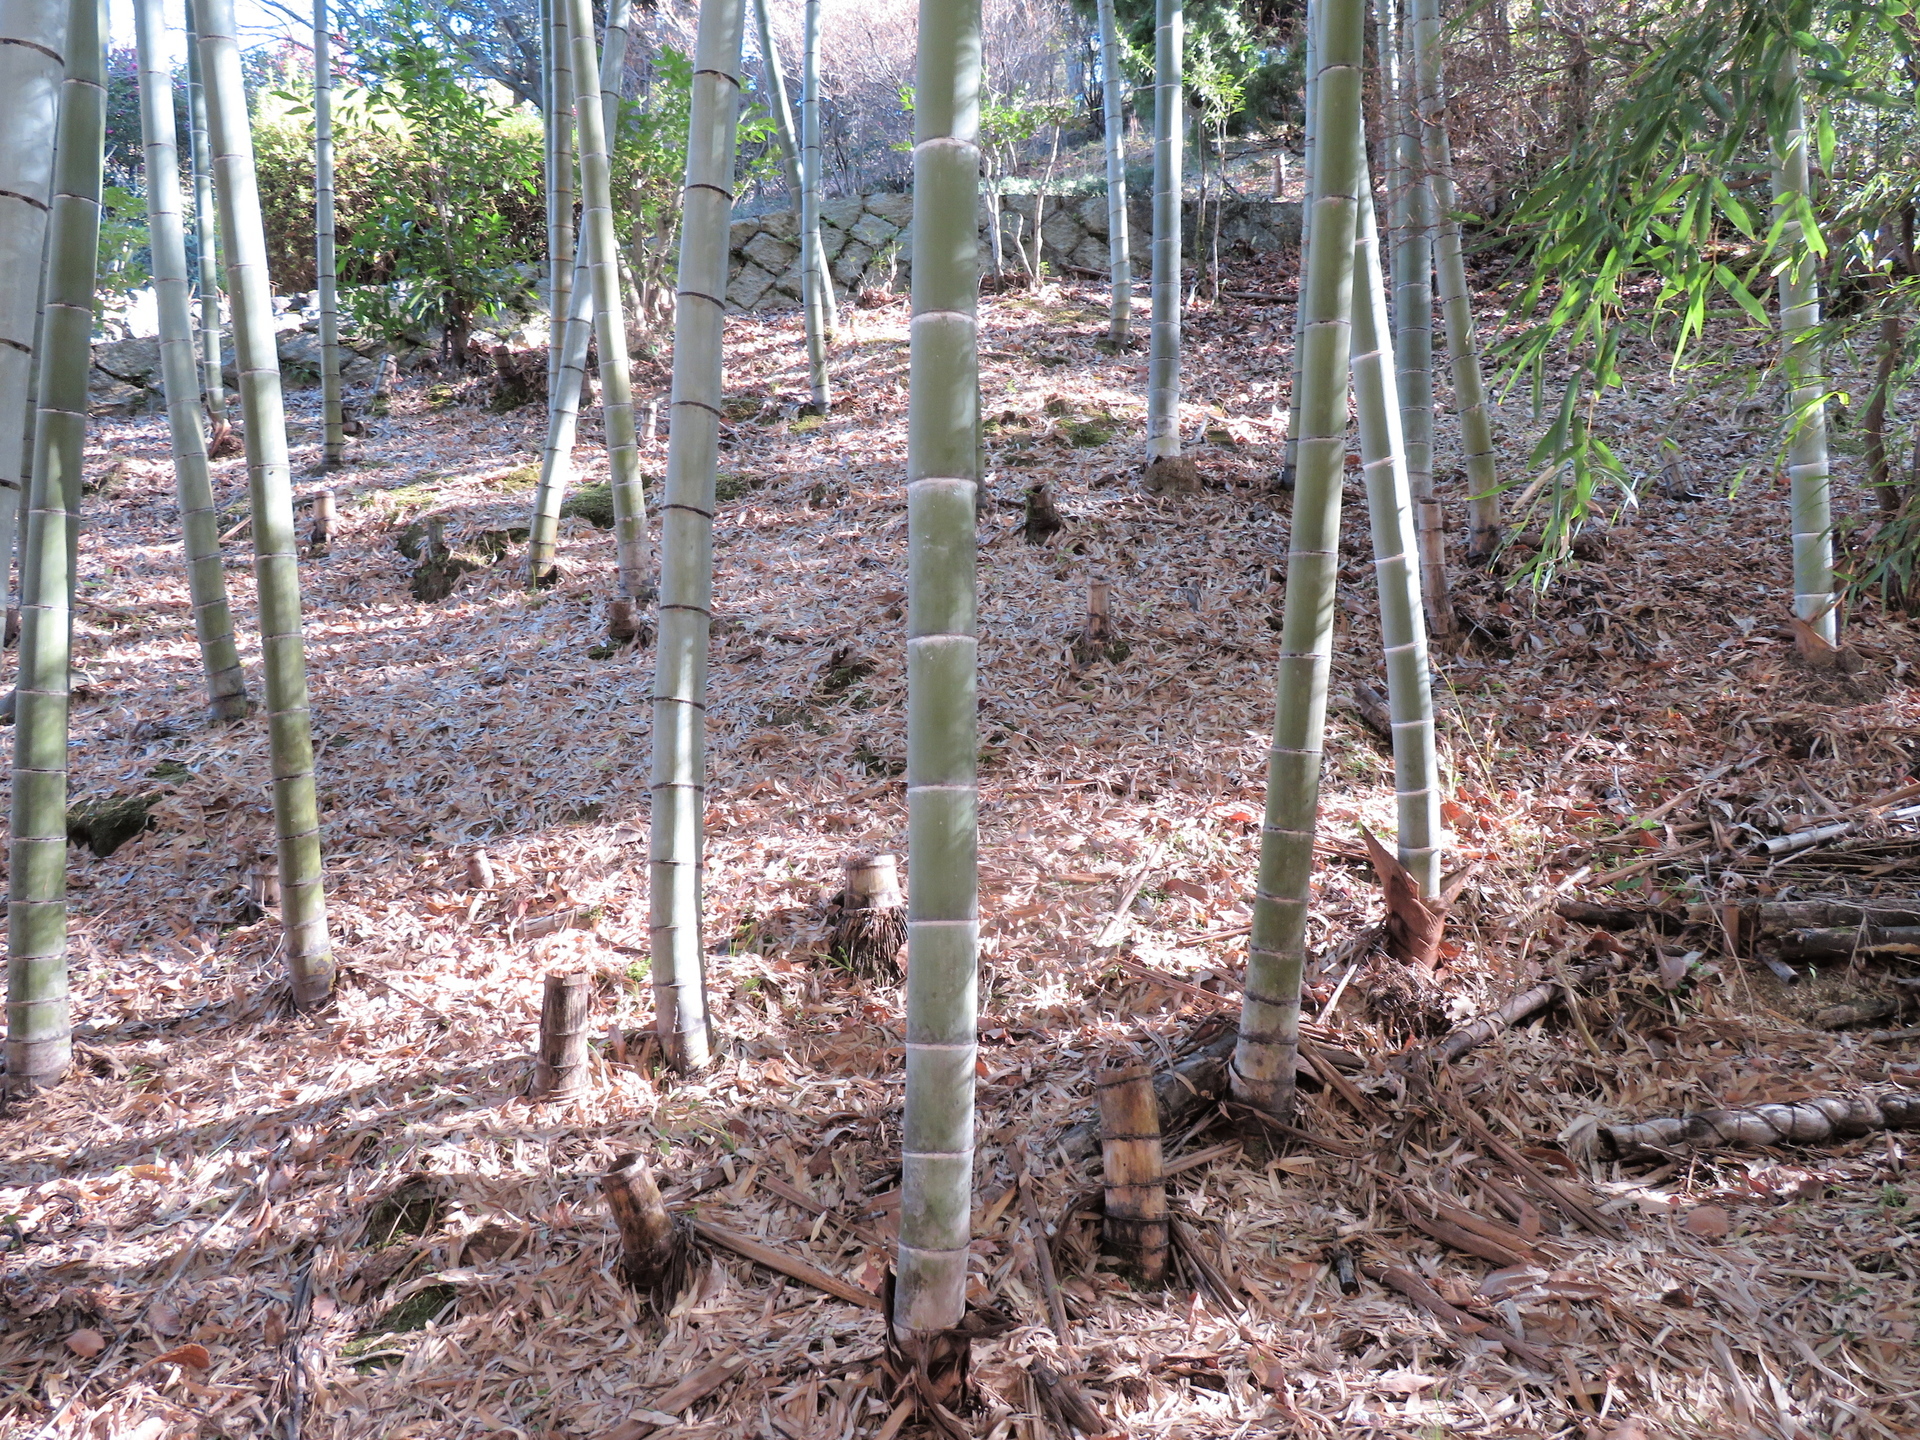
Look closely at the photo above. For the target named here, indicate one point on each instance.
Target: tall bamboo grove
(1276, 952)
(296, 817)
(33, 40)
(39, 1038)
(1113, 112)
(180, 376)
(1808, 471)
(1163, 359)
(943, 474)
(676, 839)
(333, 452)
(816, 285)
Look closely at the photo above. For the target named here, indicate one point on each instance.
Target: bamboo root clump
(1823, 1121)
(872, 928)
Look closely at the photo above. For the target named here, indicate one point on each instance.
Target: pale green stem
(303, 904)
(1290, 462)
(213, 386)
(679, 780)
(816, 285)
(199, 518)
(39, 1034)
(943, 474)
(1113, 101)
(333, 452)
(1808, 467)
(560, 238)
(1276, 952)
(1163, 360)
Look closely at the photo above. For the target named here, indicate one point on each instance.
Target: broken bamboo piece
(655, 1249)
(784, 1264)
(1067, 1404)
(1841, 944)
(1822, 1121)
(1454, 1318)
(1136, 1217)
(560, 1069)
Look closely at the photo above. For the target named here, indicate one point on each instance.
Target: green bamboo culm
(1113, 113)
(1412, 266)
(1456, 299)
(333, 452)
(213, 387)
(816, 285)
(1163, 360)
(602, 249)
(779, 107)
(560, 237)
(1391, 506)
(676, 839)
(303, 904)
(39, 1035)
(1289, 465)
(1808, 465)
(1276, 952)
(943, 474)
(32, 43)
(180, 375)
(551, 219)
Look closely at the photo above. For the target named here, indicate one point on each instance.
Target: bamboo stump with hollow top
(323, 521)
(873, 918)
(560, 1071)
(1136, 1192)
(655, 1249)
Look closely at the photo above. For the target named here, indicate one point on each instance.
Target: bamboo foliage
(1119, 257)
(39, 1037)
(1276, 952)
(1456, 300)
(32, 42)
(212, 386)
(676, 839)
(816, 285)
(295, 810)
(602, 249)
(1808, 470)
(942, 784)
(334, 442)
(1163, 361)
(199, 519)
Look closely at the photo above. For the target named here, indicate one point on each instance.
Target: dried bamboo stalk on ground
(1839, 944)
(1823, 1121)
(560, 1072)
(1454, 1318)
(1136, 1219)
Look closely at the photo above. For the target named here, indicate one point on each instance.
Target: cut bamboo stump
(321, 536)
(480, 871)
(655, 1249)
(560, 1071)
(1136, 1210)
(873, 917)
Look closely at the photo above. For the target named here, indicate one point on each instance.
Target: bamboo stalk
(560, 1069)
(39, 1035)
(1456, 300)
(32, 44)
(816, 285)
(212, 385)
(1136, 1200)
(275, 547)
(199, 519)
(1310, 129)
(676, 838)
(1822, 1121)
(1163, 361)
(791, 158)
(942, 784)
(1263, 1064)
(602, 247)
(333, 453)
(560, 237)
(1808, 470)
(1391, 505)
(1113, 110)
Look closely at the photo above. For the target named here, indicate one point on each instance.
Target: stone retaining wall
(869, 240)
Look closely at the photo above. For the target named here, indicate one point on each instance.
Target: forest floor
(236, 1220)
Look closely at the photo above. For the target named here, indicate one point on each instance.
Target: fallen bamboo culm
(1455, 1319)
(1840, 944)
(1519, 1008)
(784, 1264)
(1823, 1121)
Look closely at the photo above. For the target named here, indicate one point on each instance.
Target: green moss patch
(591, 503)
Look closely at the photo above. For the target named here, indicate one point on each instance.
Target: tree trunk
(676, 839)
(1456, 300)
(1119, 258)
(560, 240)
(199, 518)
(1289, 468)
(295, 809)
(333, 452)
(32, 42)
(942, 783)
(602, 248)
(39, 1035)
(1391, 505)
(796, 174)
(1263, 1064)
(1892, 342)
(1814, 600)
(1163, 362)
(816, 285)
(212, 386)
